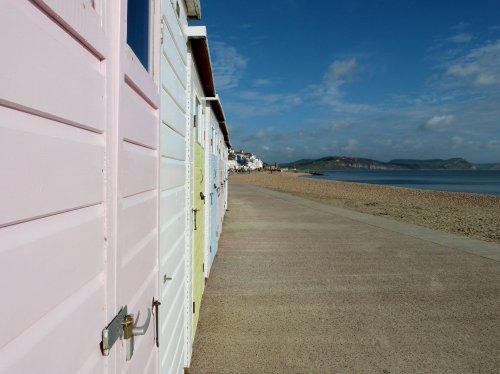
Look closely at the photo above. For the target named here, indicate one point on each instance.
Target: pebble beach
(472, 215)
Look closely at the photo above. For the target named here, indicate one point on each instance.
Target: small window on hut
(138, 17)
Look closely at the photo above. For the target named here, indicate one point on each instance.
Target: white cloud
(262, 133)
(339, 72)
(352, 145)
(340, 124)
(269, 99)
(460, 26)
(383, 142)
(486, 79)
(439, 122)
(460, 142)
(254, 103)
(261, 82)
(463, 70)
(330, 92)
(412, 143)
(461, 38)
(457, 141)
(479, 68)
(493, 144)
(341, 69)
(228, 65)
(265, 148)
(258, 135)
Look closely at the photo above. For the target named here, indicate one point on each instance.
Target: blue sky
(378, 79)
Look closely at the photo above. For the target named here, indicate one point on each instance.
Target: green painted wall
(198, 276)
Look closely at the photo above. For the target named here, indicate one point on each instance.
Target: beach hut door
(133, 205)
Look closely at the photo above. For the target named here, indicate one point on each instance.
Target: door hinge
(195, 211)
(194, 307)
(161, 30)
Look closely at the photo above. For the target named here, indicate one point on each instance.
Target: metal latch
(130, 331)
(122, 326)
(195, 211)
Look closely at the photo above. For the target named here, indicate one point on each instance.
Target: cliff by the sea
(347, 163)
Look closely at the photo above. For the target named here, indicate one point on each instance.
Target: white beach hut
(176, 183)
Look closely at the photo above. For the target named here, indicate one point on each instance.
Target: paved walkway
(299, 287)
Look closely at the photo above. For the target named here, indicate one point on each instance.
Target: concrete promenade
(301, 287)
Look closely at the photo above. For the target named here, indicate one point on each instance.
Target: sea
(474, 181)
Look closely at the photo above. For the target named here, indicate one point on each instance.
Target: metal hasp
(113, 331)
(122, 326)
(202, 196)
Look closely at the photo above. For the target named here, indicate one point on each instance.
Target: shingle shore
(473, 215)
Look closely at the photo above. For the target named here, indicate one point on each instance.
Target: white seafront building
(241, 160)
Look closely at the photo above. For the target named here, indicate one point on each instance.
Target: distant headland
(349, 163)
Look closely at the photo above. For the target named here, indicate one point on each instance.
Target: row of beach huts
(113, 167)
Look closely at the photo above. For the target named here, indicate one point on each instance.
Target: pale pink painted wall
(79, 186)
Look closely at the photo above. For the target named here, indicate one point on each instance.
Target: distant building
(241, 160)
